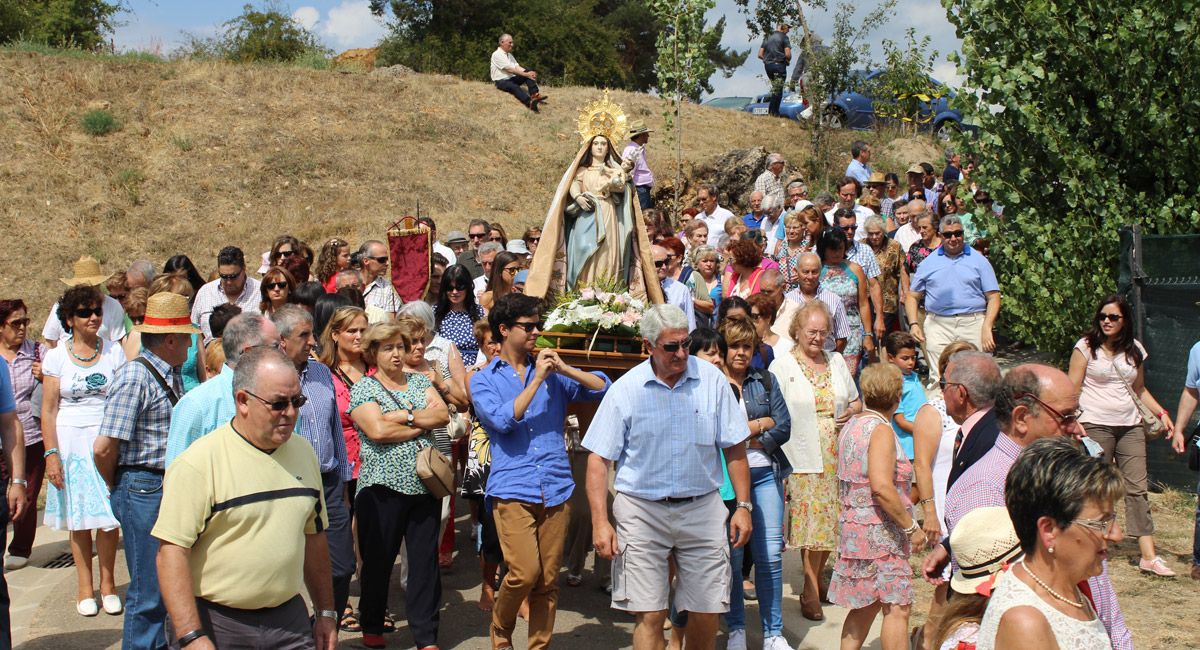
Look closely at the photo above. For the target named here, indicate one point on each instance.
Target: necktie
(958, 440)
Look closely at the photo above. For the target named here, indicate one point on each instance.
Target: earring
(1051, 549)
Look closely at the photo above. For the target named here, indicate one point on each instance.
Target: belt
(678, 499)
(141, 468)
(968, 314)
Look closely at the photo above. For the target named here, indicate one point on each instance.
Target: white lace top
(1071, 634)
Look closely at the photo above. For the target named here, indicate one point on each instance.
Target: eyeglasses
(480, 235)
(952, 234)
(1102, 526)
(529, 327)
(19, 323)
(511, 270)
(280, 405)
(1110, 317)
(88, 312)
(658, 264)
(271, 286)
(230, 277)
(284, 253)
(674, 347)
(1064, 420)
(533, 240)
(850, 228)
(816, 334)
(382, 259)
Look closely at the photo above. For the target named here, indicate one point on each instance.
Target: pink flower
(587, 294)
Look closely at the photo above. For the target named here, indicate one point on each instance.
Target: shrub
(99, 122)
(130, 181)
(259, 35)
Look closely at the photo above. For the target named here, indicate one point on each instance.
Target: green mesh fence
(1160, 276)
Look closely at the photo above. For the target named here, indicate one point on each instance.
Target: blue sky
(158, 25)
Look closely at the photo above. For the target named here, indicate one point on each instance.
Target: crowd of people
(818, 379)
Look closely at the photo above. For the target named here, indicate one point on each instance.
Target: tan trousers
(531, 536)
(941, 331)
(1126, 446)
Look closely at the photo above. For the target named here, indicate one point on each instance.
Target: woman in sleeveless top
(846, 279)
(1061, 503)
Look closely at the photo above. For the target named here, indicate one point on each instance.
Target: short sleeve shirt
(500, 61)
(391, 464)
(955, 285)
(112, 323)
(775, 48)
(1104, 398)
(1193, 368)
(7, 403)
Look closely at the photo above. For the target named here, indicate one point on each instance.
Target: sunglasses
(952, 234)
(658, 264)
(459, 287)
(850, 228)
(271, 286)
(285, 253)
(382, 259)
(511, 270)
(477, 235)
(529, 327)
(280, 405)
(19, 323)
(1103, 317)
(533, 240)
(230, 277)
(87, 312)
(674, 347)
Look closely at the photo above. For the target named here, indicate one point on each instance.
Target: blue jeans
(135, 501)
(776, 73)
(1196, 537)
(766, 542)
(645, 200)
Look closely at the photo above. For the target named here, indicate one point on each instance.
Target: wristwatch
(191, 636)
(327, 613)
(745, 504)
(410, 417)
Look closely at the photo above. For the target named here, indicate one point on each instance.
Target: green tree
(61, 23)
(589, 42)
(1088, 120)
(258, 34)
(905, 85)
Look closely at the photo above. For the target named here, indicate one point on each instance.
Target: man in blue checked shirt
(319, 424)
(664, 424)
(131, 455)
(521, 399)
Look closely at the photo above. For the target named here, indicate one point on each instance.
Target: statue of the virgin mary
(594, 231)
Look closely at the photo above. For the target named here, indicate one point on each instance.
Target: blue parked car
(855, 110)
(731, 103)
(792, 106)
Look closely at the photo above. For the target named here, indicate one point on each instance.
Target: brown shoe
(1196, 572)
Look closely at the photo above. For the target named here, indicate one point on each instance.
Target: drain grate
(60, 562)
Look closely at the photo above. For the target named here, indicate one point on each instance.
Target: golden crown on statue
(603, 117)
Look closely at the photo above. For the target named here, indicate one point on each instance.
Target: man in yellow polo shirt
(242, 524)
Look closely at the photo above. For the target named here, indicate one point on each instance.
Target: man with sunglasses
(962, 296)
(1034, 401)
(521, 399)
(477, 235)
(664, 424)
(379, 295)
(233, 287)
(242, 524)
(675, 292)
(211, 404)
(319, 423)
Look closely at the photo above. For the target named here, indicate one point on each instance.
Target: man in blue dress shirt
(521, 400)
(664, 424)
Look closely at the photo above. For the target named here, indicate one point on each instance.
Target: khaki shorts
(648, 532)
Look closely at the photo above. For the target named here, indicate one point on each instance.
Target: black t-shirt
(775, 48)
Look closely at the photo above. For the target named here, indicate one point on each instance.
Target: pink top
(1104, 399)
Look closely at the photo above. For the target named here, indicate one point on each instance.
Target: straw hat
(167, 313)
(877, 178)
(983, 542)
(87, 271)
(638, 127)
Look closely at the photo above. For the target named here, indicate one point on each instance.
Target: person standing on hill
(776, 53)
(509, 76)
(643, 179)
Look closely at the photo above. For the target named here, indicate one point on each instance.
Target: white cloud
(307, 16)
(351, 24)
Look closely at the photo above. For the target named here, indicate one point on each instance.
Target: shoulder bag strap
(390, 396)
(171, 396)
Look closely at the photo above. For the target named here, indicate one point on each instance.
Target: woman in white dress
(1061, 502)
(77, 374)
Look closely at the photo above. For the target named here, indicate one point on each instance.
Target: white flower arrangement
(598, 312)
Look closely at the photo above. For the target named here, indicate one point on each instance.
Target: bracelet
(20, 481)
(50, 452)
(924, 501)
(191, 636)
(1163, 415)
(911, 529)
(327, 613)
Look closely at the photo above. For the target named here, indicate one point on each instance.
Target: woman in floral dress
(878, 530)
(820, 395)
(801, 228)
(847, 280)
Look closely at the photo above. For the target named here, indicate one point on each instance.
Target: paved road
(44, 616)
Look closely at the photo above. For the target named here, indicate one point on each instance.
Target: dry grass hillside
(212, 154)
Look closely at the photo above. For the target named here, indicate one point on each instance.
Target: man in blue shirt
(14, 503)
(664, 423)
(859, 167)
(1179, 438)
(521, 400)
(962, 297)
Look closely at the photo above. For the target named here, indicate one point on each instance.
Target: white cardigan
(803, 449)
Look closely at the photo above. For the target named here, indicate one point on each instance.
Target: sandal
(349, 621)
(389, 623)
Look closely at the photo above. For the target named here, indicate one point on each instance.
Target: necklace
(71, 347)
(1072, 603)
(875, 413)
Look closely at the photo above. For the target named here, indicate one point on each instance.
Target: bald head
(916, 206)
(771, 278)
(1037, 401)
(808, 271)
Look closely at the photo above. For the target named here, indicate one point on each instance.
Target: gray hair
(799, 184)
(949, 220)
(873, 220)
(772, 278)
(490, 247)
(704, 252)
(774, 158)
(420, 310)
(978, 373)
(365, 249)
(144, 268)
(657, 318)
(1018, 384)
(504, 36)
(346, 273)
(242, 331)
(711, 189)
(824, 199)
(289, 318)
(245, 376)
(771, 203)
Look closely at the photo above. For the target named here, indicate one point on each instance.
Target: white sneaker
(87, 607)
(737, 640)
(14, 562)
(776, 643)
(112, 604)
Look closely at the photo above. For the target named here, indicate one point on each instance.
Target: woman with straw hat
(112, 328)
